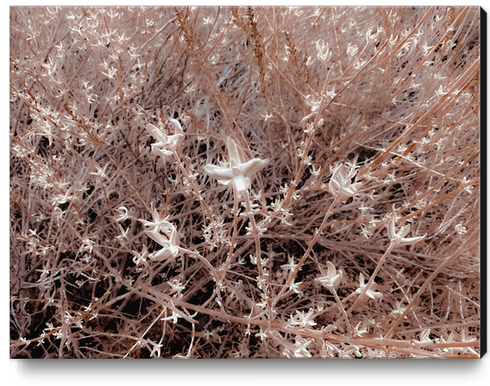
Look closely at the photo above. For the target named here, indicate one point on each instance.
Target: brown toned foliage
(121, 246)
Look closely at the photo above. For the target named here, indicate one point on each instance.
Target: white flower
(399, 310)
(174, 318)
(461, 229)
(158, 223)
(303, 320)
(340, 182)
(399, 238)
(295, 287)
(140, 257)
(169, 241)
(359, 331)
(262, 334)
(176, 286)
(333, 278)
(166, 142)
(170, 246)
(425, 341)
(348, 351)
(240, 171)
(370, 293)
(123, 214)
(301, 345)
(291, 266)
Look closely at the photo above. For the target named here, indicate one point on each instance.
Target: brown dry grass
(391, 92)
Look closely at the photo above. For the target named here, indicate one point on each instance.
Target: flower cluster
(169, 240)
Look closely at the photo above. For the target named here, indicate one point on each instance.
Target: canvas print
(245, 182)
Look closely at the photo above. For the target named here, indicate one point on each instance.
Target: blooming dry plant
(245, 182)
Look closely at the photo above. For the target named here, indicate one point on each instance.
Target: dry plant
(245, 182)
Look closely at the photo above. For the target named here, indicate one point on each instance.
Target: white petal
(331, 270)
(252, 166)
(235, 152)
(174, 238)
(411, 240)
(161, 151)
(178, 130)
(355, 187)
(335, 280)
(225, 182)
(334, 186)
(348, 192)
(241, 183)
(404, 231)
(374, 295)
(175, 139)
(391, 229)
(174, 250)
(163, 254)
(218, 172)
(157, 133)
(340, 174)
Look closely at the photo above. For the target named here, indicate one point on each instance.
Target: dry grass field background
(219, 182)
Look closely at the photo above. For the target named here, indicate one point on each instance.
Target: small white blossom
(333, 278)
(170, 246)
(399, 238)
(174, 318)
(425, 341)
(240, 172)
(290, 266)
(359, 331)
(295, 287)
(262, 334)
(166, 142)
(208, 334)
(158, 223)
(303, 320)
(140, 257)
(340, 182)
(399, 310)
(87, 245)
(156, 349)
(461, 229)
(348, 351)
(176, 286)
(301, 345)
(123, 214)
(370, 293)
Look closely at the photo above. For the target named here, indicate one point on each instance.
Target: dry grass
(389, 95)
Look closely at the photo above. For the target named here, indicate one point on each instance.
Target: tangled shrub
(245, 182)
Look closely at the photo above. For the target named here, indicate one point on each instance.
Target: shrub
(245, 182)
